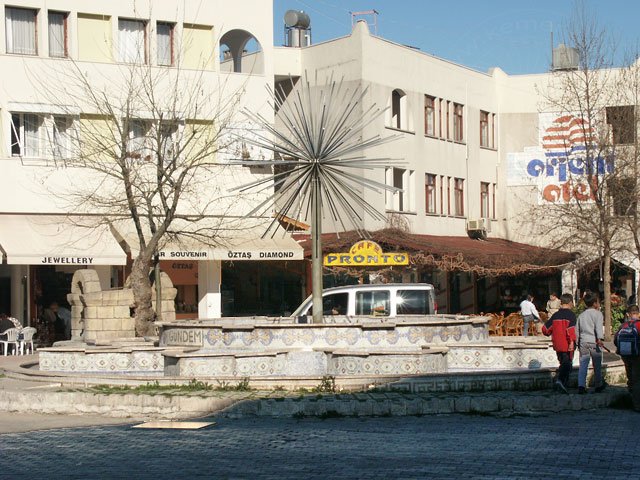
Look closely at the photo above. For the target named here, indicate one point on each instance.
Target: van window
(412, 302)
(335, 304)
(375, 302)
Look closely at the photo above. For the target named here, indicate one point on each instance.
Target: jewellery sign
(365, 254)
(558, 166)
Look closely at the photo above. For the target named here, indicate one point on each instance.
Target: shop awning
(493, 256)
(58, 240)
(204, 240)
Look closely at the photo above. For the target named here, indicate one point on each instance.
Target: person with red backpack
(627, 342)
(562, 329)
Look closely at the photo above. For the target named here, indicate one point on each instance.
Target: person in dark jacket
(562, 329)
(632, 363)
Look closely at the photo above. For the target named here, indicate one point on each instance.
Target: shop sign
(365, 254)
(181, 272)
(260, 255)
(67, 260)
(182, 254)
(178, 337)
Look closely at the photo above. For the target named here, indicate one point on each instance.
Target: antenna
(367, 14)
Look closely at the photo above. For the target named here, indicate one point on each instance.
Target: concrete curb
(114, 405)
(398, 404)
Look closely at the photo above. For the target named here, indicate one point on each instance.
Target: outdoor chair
(12, 339)
(27, 339)
(496, 325)
(514, 324)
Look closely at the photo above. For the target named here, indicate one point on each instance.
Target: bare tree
(145, 147)
(625, 134)
(581, 216)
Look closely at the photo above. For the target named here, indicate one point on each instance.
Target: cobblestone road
(569, 445)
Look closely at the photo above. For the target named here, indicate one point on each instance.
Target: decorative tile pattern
(338, 336)
(113, 362)
(495, 357)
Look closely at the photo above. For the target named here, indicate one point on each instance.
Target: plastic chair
(12, 338)
(27, 339)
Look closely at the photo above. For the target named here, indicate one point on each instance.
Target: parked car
(380, 300)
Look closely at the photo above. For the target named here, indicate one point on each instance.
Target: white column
(569, 281)
(18, 272)
(209, 277)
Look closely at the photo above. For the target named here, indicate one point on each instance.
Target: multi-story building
(463, 136)
(465, 140)
(54, 55)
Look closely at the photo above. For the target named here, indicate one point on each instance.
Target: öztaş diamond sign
(366, 253)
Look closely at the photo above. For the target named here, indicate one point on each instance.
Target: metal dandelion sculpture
(318, 141)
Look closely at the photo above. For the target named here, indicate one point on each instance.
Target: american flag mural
(566, 136)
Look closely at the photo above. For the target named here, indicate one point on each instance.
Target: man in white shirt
(529, 313)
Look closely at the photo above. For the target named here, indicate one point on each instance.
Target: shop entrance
(261, 288)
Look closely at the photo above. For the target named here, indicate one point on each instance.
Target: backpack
(628, 340)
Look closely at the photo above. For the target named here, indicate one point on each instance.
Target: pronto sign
(365, 254)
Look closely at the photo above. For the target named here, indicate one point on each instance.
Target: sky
(511, 34)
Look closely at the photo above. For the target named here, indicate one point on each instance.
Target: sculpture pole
(316, 249)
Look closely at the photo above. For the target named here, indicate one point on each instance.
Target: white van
(380, 300)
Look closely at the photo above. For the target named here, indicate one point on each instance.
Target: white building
(466, 139)
(461, 133)
(46, 48)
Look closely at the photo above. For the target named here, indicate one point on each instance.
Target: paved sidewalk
(442, 447)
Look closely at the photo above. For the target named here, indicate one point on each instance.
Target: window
(25, 134)
(442, 194)
(457, 122)
(138, 134)
(374, 302)
(458, 185)
(440, 132)
(448, 195)
(493, 202)
(624, 196)
(61, 141)
(429, 115)
(430, 193)
(335, 304)
(412, 302)
(165, 43)
(448, 120)
(398, 110)
(168, 138)
(21, 32)
(493, 130)
(400, 200)
(132, 41)
(484, 200)
(623, 124)
(58, 34)
(484, 129)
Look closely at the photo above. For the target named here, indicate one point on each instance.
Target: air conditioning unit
(479, 224)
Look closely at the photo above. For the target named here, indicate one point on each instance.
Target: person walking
(562, 329)
(590, 333)
(529, 313)
(627, 342)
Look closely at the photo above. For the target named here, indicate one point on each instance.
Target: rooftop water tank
(297, 29)
(565, 58)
